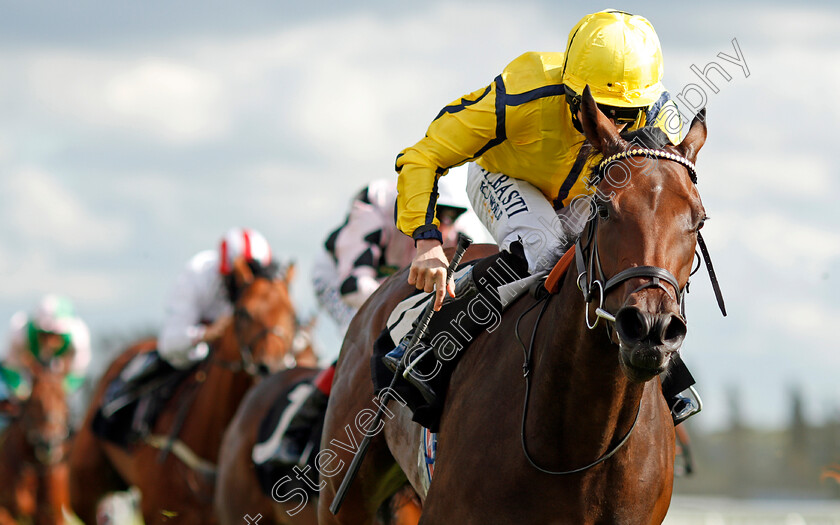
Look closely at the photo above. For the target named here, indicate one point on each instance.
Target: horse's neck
(579, 396)
(215, 405)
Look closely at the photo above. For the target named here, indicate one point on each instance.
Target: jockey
(356, 258)
(200, 304)
(53, 334)
(527, 154)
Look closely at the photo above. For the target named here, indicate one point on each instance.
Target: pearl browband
(656, 153)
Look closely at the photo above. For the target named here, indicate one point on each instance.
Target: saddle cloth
(270, 474)
(134, 399)
(411, 308)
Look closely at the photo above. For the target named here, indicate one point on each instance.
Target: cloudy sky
(133, 134)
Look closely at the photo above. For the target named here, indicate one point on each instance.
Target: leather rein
(591, 276)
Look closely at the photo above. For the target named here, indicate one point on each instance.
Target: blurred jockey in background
(356, 258)
(52, 335)
(200, 304)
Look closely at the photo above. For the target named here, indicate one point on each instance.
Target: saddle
(409, 309)
(134, 399)
(270, 473)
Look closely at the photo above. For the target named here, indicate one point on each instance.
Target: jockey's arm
(182, 328)
(460, 132)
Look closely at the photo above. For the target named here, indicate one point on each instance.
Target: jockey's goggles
(618, 114)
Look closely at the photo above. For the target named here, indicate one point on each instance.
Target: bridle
(591, 275)
(590, 272)
(246, 362)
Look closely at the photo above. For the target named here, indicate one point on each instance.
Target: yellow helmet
(618, 55)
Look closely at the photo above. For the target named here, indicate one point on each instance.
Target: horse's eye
(603, 212)
(701, 223)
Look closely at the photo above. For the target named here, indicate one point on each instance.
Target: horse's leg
(55, 496)
(6, 518)
(91, 475)
(237, 491)
(404, 507)
(352, 401)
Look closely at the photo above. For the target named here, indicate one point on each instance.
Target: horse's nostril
(674, 330)
(632, 326)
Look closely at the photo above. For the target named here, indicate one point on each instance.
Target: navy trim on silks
(455, 108)
(534, 94)
(653, 111)
(397, 166)
(430, 209)
(427, 231)
(501, 132)
(572, 177)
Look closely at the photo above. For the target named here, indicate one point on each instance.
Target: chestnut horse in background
(586, 437)
(237, 489)
(180, 489)
(33, 453)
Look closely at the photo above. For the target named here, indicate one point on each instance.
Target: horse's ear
(695, 138)
(597, 128)
(242, 274)
(290, 272)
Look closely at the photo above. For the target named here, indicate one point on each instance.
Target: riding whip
(464, 242)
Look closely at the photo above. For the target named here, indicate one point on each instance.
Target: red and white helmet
(243, 242)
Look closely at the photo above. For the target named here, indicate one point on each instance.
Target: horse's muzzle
(647, 340)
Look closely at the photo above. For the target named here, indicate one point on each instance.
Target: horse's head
(263, 327)
(642, 236)
(45, 415)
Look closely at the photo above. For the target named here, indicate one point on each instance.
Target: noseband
(246, 350)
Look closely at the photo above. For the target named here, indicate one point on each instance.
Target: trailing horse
(586, 436)
(177, 487)
(33, 454)
(238, 490)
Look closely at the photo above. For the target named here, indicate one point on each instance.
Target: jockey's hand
(215, 331)
(428, 270)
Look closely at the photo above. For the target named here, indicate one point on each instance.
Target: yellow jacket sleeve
(460, 132)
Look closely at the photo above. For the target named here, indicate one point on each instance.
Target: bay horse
(586, 437)
(179, 490)
(237, 488)
(33, 453)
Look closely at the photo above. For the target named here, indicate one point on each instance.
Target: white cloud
(781, 242)
(807, 322)
(179, 101)
(40, 274)
(749, 175)
(39, 210)
(164, 98)
(364, 87)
